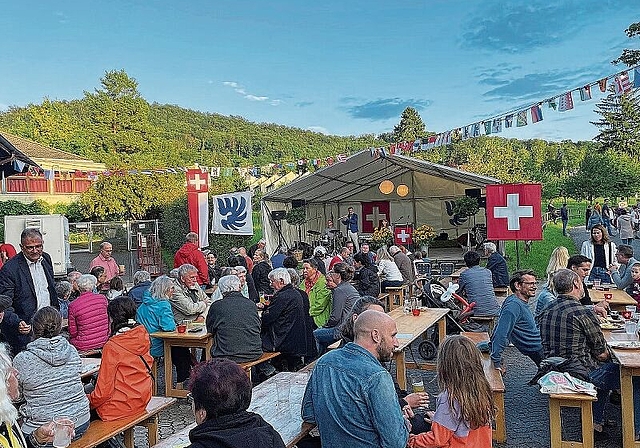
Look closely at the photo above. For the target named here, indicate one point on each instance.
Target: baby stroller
(431, 296)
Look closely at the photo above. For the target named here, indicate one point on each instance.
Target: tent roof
(360, 172)
(9, 153)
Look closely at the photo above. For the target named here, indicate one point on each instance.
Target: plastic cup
(415, 311)
(631, 308)
(181, 328)
(121, 268)
(631, 328)
(417, 384)
(283, 390)
(596, 283)
(63, 431)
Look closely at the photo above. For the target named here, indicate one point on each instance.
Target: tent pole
(413, 201)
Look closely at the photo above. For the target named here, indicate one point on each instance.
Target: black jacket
(367, 281)
(283, 323)
(242, 430)
(260, 276)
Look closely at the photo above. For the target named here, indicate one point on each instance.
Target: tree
(630, 57)
(119, 115)
(619, 123)
(410, 127)
(604, 174)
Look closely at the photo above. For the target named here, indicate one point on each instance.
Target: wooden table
(619, 300)
(629, 367)
(286, 419)
(410, 328)
(456, 274)
(201, 339)
(90, 366)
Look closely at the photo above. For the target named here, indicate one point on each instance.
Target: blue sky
(337, 66)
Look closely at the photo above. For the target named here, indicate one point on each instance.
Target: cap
(5, 302)
(320, 249)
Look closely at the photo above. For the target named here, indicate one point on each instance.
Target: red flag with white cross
(373, 213)
(514, 212)
(403, 235)
(198, 204)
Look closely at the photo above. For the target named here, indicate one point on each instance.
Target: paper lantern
(402, 190)
(386, 187)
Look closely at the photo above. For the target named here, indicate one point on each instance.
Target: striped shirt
(572, 331)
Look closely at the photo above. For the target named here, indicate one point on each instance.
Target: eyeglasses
(34, 247)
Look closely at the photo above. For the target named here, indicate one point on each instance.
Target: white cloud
(231, 84)
(275, 102)
(240, 90)
(256, 98)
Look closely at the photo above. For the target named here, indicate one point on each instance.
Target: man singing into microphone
(351, 221)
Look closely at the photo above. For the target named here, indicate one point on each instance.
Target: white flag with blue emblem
(232, 214)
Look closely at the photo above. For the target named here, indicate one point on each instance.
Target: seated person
(634, 289)
(476, 284)
(102, 285)
(141, 283)
(116, 288)
(221, 393)
(88, 320)
(63, 291)
(497, 265)
(49, 376)
(234, 323)
(388, 270)
(124, 384)
(366, 278)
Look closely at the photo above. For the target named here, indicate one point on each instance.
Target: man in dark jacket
(497, 265)
(141, 283)
(27, 279)
(283, 320)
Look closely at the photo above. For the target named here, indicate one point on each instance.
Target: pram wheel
(427, 350)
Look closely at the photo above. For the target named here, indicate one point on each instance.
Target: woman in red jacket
(124, 383)
(88, 320)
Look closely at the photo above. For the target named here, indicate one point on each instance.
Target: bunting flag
(496, 126)
(585, 93)
(603, 85)
(621, 83)
(536, 114)
(487, 127)
(636, 78)
(508, 121)
(565, 103)
(552, 104)
(476, 130)
(522, 118)
(341, 157)
(466, 132)
(198, 205)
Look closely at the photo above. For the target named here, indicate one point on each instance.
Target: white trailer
(55, 232)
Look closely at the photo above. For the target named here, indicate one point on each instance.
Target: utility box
(55, 233)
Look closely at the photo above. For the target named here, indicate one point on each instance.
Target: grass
(540, 253)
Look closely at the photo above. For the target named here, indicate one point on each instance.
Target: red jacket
(124, 385)
(88, 321)
(189, 253)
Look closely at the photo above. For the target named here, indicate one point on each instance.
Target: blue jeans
(607, 223)
(564, 226)
(600, 273)
(606, 378)
(324, 338)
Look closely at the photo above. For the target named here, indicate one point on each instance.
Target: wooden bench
(96, 353)
(395, 292)
(266, 356)
(582, 401)
(494, 377)
(100, 431)
(308, 368)
(489, 321)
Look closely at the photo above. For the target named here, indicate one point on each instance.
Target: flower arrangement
(381, 237)
(423, 235)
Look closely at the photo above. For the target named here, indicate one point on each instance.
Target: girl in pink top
(465, 406)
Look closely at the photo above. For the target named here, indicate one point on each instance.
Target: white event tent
(355, 182)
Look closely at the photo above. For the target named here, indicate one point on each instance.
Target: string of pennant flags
(522, 116)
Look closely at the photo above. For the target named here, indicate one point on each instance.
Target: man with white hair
(234, 323)
(141, 283)
(497, 265)
(188, 300)
(283, 320)
(404, 264)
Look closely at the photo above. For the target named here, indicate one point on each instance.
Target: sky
(343, 67)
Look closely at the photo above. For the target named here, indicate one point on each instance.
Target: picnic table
(410, 328)
(200, 339)
(629, 367)
(284, 417)
(619, 298)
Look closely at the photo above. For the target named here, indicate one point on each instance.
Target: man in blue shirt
(621, 272)
(477, 286)
(351, 221)
(351, 396)
(516, 323)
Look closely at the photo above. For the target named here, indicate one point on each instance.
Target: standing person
(587, 215)
(515, 323)
(88, 320)
(607, 216)
(190, 253)
(260, 273)
(125, 384)
(221, 393)
(564, 217)
(594, 219)
(625, 227)
(351, 221)
(28, 280)
(350, 394)
(600, 250)
(465, 406)
(315, 285)
(105, 260)
(497, 265)
(388, 270)
(558, 260)
(261, 244)
(234, 323)
(343, 295)
(242, 252)
(215, 271)
(620, 271)
(476, 284)
(49, 376)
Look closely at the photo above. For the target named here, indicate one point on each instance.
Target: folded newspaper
(563, 383)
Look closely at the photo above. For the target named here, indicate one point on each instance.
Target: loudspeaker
(297, 203)
(472, 192)
(278, 215)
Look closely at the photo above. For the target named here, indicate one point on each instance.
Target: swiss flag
(373, 213)
(198, 204)
(402, 235)
(514, 212)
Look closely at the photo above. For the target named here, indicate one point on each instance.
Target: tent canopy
(9, 153)
(330, 191)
